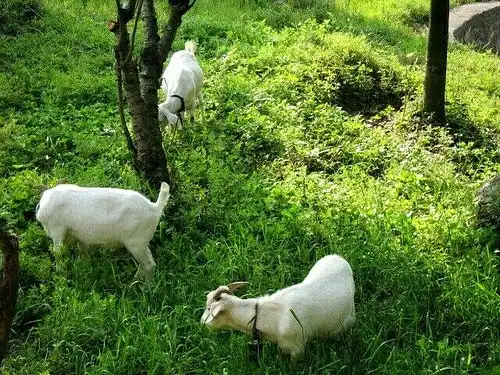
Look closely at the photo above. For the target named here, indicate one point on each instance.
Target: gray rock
(478, 24)
(488, 203)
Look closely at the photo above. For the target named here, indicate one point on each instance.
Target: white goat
(181, 82)
(323, 304)
(103, 216)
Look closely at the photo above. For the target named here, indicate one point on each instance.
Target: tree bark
(151, 65)
(150, 157)
(437, 50)
(121, 112)
(8, 287)
(142, 86)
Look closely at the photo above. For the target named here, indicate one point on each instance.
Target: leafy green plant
(17, 16)
(312, 144)
(416, 17)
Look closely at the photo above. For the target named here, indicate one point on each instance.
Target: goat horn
(219, 291)
(237, 285)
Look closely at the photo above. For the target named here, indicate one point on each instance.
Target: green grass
(313, 144)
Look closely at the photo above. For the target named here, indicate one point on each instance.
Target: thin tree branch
(170, 30)
(123, 48)
(132, 43)
(119, 89)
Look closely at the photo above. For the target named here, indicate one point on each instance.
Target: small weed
(416, 17)
(18, 16)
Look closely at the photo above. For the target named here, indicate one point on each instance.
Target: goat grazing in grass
(321, 305)
(181, 82)
(103, 216)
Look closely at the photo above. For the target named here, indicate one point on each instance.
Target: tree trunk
(437, 49)
(151, 65)
(142, 86)
(8, 287)
(150, 157)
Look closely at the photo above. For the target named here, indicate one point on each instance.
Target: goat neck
(243, 312)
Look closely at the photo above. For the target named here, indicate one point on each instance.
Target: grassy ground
(313, 144)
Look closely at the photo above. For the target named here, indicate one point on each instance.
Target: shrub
(294, 160)
(415, 16)
(311, 64)
(18, 16)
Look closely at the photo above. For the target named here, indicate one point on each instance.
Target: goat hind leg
(191, 116)
(142, 255)
(200, 104)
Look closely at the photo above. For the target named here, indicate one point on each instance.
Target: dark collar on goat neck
(183, 107)
(255, 346)
(255, 331)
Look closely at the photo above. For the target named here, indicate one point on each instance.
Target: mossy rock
(488, 203)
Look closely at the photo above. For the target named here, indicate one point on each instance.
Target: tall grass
(313, 144)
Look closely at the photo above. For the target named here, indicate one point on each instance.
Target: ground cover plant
(313, 143)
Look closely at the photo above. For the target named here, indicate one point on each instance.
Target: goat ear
(237, 285)
(216, 309)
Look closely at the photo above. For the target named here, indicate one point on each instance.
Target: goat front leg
(295, 350)
(58, 236)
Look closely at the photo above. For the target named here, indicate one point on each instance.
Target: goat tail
(190, 46)
(164, 195)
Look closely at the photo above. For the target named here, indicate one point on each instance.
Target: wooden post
(8, 287)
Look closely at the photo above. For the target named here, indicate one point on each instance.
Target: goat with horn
(321, 305)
